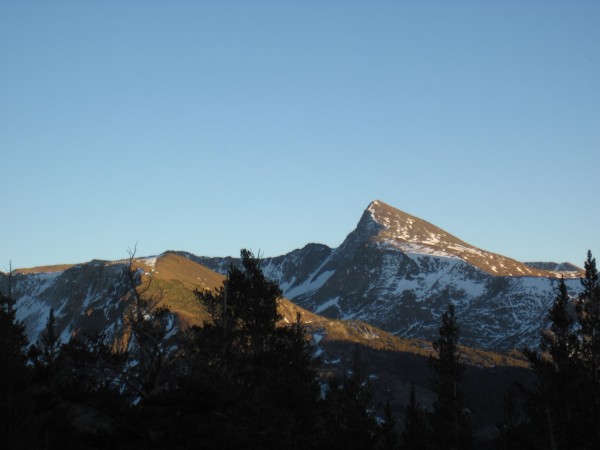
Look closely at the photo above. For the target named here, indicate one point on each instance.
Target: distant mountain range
(394, 271)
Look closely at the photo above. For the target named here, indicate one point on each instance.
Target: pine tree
(562, 347)
(560, 408)
(588, 310)
(16, 404)
(49, 343)
(13, 343)
(351, 417)
(417, 433)
(252, 369)
(540, 407)
(561, 343)
(244, 310)
(450, 420)
(514, 431)
(49, 376)
(388, 437)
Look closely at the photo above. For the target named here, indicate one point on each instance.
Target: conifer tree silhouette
(450, 420)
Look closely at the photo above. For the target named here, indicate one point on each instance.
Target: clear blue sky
(212, 126)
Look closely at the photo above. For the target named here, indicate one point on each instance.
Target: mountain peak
(395, 228)
(377, 208)
(399, 226)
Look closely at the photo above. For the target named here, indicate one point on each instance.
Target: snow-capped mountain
(398, 272)
(394, 271)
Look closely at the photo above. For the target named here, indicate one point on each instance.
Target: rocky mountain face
(398, 272)
(93, 297)
(394, 271)
(84, 297)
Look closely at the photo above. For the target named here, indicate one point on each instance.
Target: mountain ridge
(410, 234)
(398, 273)
(393, 271)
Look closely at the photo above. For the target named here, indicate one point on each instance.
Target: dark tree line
(16, 402)
(562, 411)
(242, 380)
(245, 380)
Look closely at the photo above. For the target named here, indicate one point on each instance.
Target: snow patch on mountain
(150, 261)
(417, 248)
(312, 285)
(328, 304)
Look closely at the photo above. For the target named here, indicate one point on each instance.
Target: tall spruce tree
(450, 420)
(255, 375)
(553, 404)
(388, 437)
(561, 342)
(588, 310)
(561, 410)
(417, 432)
(562, 346)
(514, 430)
(244, 319)
(49, 343)
(350, 415)
(16, 403)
